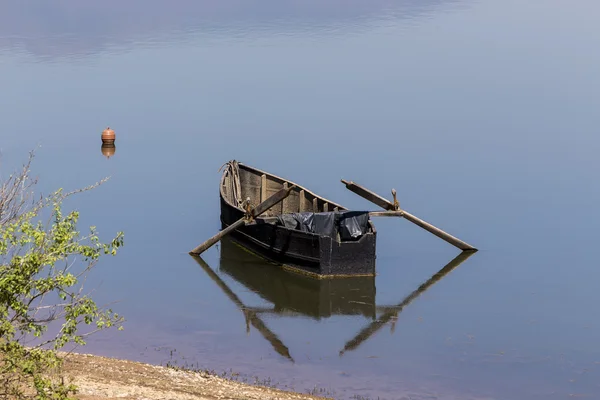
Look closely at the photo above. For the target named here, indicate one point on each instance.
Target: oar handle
(204, 246)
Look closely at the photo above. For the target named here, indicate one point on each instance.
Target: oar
(250, 215)
(395, 207)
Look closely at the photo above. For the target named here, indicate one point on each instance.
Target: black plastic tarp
(295, 221)
(324, 224)
(351, 225)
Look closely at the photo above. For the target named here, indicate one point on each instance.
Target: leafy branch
(41, 287)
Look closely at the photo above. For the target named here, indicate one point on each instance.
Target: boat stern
(348, 258)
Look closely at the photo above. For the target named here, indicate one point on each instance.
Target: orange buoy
(108, 150)
(108, 136)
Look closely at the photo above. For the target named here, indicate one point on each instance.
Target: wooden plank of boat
(307, 192)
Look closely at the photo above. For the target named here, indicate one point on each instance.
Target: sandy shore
(107, 378)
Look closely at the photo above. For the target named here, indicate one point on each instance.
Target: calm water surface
(483, 114)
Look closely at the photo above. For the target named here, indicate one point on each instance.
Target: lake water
(483, 114)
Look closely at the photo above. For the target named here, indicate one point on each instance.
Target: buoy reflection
(108, 150)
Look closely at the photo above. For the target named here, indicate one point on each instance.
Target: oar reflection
(295, 296)
(250, 316)
(391, 312)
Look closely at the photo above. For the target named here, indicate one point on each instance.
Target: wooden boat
(305, 232)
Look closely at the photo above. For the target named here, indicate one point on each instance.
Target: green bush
(42, 270)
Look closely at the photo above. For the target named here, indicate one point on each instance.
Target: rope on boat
(233, 170)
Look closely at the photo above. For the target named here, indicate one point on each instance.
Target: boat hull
(304, 252)
(301, 251)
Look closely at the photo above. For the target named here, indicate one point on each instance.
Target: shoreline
(102, 378)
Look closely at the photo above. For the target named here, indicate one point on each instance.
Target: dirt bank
(107, 378)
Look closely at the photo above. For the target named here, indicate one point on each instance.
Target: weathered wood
(256, 211)
(271, 201)
(283, 202)
(385, 204)
(204, 246)
(302, 206)
(438, 232)
(237, 184)
(369, 195)
(263, 187)
(315, 205)
(399, 214)
(325, 207)
(396, 203)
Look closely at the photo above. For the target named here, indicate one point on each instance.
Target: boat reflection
(295, 295)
